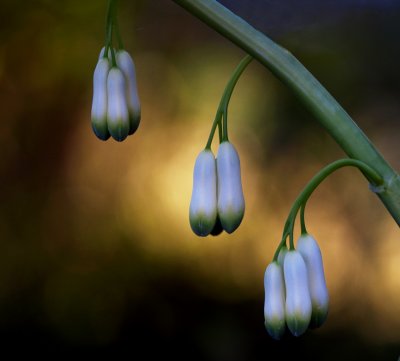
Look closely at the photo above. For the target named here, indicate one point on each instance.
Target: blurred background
(96, 252)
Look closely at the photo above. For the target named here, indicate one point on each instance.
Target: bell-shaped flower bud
(117, 108)
(203, 204)
(311, 253)
(230, 194)
(126, 64)
(99, 102)
(298, 302)
(274, 305)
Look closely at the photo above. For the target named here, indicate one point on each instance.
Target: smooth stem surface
(305, 194)
(222, 111)
(229, 90)
(302, 198)
(314, 96)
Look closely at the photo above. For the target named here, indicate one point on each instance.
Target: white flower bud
(203, 204)
(99, 102)
(274, 305)
(117, 109)
(127, 66)
(230, 194)
(311, 253)
(298, 302)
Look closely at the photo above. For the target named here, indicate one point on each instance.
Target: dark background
(96, 253)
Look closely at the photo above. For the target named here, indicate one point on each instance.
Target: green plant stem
(302, 221)
(222, 111)
(116, 26)
(314, 96)
(301, 200)
(217, 122)
(229, 90)
(111, 14)
(110, 22)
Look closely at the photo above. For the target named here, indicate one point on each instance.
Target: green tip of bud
(231, 219)
(134, 121)
(318, 316)
(297, 323)
(201, 224)
(275, 329)
(100, 129)
(118, 130)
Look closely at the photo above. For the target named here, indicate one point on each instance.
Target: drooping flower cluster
(116, 106)
(217, 201)
(296, 295)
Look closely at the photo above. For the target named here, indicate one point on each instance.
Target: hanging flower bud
(311, 253)
(203, 205)
(274, 305)
(117, 109)
(298, 302)
(230, 194)
(127, 66)
(99, 103)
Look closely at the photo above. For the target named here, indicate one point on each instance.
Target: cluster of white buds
(217, 201)
(296, 295)
(115, 107)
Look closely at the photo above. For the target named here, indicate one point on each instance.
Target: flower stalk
(377, 185)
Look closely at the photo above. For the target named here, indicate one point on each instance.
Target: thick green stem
(316, 98)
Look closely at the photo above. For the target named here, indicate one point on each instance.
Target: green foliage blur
(96, 251)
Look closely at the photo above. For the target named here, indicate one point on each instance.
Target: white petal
(311, 253)
(126, 64)
(230, 194)
(99, 103)
(274, 305)
(203, 204)
(117, 109)
(298, 302)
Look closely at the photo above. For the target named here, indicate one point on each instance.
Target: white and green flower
(230, 194)
(311, 253)
(298, 306)
(100, 99)
(127, 66)
(117, 108)
(274, 305)
(203, 204)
